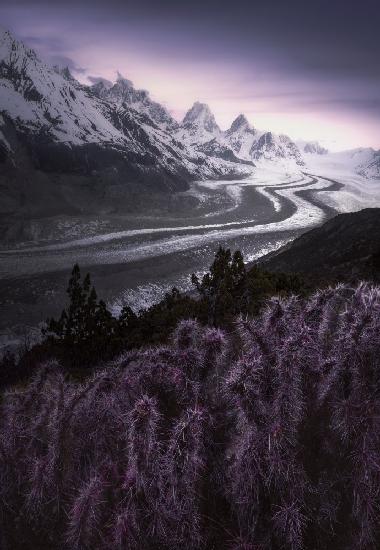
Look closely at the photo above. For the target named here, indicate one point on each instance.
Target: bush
(196, 445)
(86, 332)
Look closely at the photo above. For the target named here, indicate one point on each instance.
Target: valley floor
(135, 260)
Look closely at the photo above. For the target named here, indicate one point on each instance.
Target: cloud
(281, 59)
(52, 50)
(64, 61)
(97, 79)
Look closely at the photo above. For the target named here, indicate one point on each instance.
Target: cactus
(267, 437)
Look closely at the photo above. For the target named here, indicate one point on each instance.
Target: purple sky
(310, 70)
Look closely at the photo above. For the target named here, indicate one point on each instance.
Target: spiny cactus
(85, 515)
(186, 334)
(183, 477)
(264, 438)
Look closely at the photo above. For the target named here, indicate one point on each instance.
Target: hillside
(345, 248)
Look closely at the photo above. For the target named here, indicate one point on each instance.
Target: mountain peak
(314, 147)
(65, 72)
(200, 116)
(239, 123)
(6, 36)
(124, 81)
(12, 48)
(101, 88)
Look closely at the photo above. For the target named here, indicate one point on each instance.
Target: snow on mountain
(372, 169)
(240, 141)
(313, 148)
(5, 148)
(272, 147)
(119, 132)
(65, 72)
(240, 137)
(354, 158)
(123, 94)
(199, 125)
(363, 162)
(70, 127)
(252, 144)
(39, 99)
(214, 148)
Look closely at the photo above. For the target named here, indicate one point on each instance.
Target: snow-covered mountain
(241, 136)
(272, 147)
(312, 147)
(248, 143)
(39, 99)
(372, 169)
(363, 161)
(123, 94)
(198, 126)
(114, 132)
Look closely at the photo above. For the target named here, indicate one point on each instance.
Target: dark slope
(346, 248)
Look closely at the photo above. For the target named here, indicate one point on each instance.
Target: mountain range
(112, 135)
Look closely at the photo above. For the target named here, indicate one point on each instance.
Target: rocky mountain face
(370, 168)
(198, 126)
(364, 161)
(113, 138)
(123, 95)
(240, 141)
(117, 133)
(271, 147)
(241, 136)
(53, 124)
(346, 248)
(314, 148)
(214, 148)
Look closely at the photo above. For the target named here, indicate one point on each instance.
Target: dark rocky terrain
(347, 248)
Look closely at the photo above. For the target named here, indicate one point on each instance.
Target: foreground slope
(268, 438)
(344, 248)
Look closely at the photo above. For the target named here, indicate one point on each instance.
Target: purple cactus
(266, 437)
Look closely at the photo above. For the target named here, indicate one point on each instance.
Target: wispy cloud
(280, 62)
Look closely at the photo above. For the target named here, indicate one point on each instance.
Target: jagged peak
(200, 115)
(101, 84)
(240, 122)
(6, 35)
(10, 44)
(315, 147)
(284, 138)
(120, 79)
(266, 137)
(65, 72)
(196, 111)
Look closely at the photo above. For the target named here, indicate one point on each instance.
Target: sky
(307, 69)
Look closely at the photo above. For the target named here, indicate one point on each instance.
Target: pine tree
(86, 331)
(220, 287)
